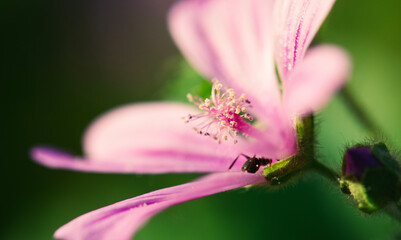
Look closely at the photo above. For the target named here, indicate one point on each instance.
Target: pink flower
(236, 42)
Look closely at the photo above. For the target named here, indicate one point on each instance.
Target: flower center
(223, 114)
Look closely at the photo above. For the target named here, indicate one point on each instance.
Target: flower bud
(357, 160)
(371, 175)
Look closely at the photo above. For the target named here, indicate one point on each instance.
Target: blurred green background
(67, 62)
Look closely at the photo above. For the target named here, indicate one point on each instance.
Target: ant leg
(247, 157)
(266, 161)
(232, 164)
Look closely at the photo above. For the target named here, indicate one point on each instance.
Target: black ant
(252, 164)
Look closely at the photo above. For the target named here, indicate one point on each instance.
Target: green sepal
(344, 187)
(377, 187)
(382, 154)
(280, 171)
(382, 185)
(358, 191)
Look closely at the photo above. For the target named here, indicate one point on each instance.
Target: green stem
(307, 146)
(305, 159)
(358, 111)
(325, 171)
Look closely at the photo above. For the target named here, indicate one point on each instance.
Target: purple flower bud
(372, 176)
(357, 160)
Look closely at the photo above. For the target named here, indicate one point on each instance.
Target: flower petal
(152, 138)
(123, 219)
(54, 158)
(231, 40)
(311, 85)
(297, 22)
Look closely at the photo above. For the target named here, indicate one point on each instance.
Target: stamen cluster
(224, 112)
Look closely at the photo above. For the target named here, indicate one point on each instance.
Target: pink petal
(231, 40)
(152, 138)
(123, 219)
(312, 84)
(297, 22)
(144, 138)
(54, 158)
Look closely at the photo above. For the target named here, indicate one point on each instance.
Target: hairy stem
(325, 171)
(307, 144)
